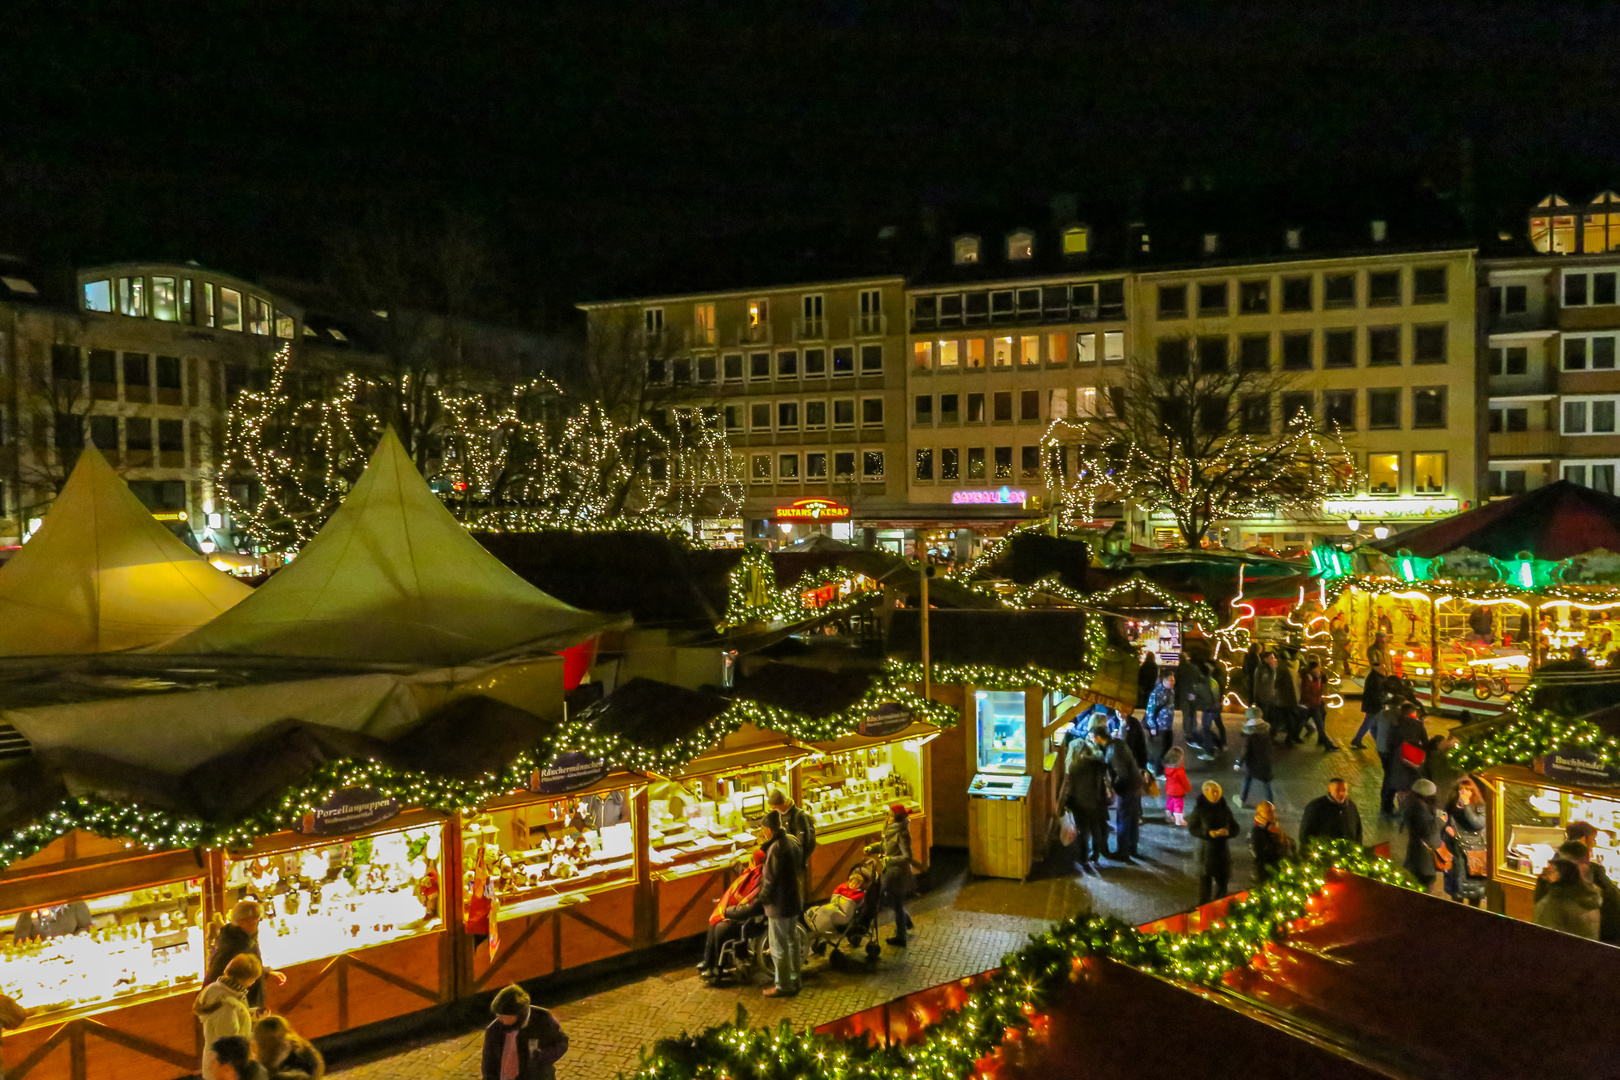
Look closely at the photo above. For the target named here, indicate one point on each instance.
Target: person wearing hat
(1084, 793)
(897, 882)
(1425, 833)
(780, 897)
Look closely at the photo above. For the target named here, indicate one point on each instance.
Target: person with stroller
(780, 897)
(740, 893)
(897, 883)
(828, 921)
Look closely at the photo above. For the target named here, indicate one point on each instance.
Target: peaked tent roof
(393, 577)
(102, 574)
(1557, 521)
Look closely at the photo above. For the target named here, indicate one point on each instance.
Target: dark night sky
(592, 139)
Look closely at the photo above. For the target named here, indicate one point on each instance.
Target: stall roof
(646, 574)
(1557, 521)
(393, 576)
(1053, 639)
(102, 574)
(649, 713)
(816, 692)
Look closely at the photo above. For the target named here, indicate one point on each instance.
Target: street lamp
(1353, 524)
(787, 527)
(1381, 532)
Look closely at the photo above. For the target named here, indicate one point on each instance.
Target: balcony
(754, 335)
(809, 329)
(700, 336)
(1514, 445)
(868, 325)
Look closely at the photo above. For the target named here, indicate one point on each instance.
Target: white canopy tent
(102, 574)
(393, 577)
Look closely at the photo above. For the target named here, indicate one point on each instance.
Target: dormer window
(1552, 231)
(1212, 243)
(1380, 230)
(1077, 240)
(966, 250)
(1600, 226)
(1020, 245)
(1292, 238)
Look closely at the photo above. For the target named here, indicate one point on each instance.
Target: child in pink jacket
(1176, 784)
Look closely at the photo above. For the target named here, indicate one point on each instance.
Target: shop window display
(341, 895)
(704, 822)
(1001, 730)
(538, 855)
(854, 789)
(89, 953)
(1534, 820)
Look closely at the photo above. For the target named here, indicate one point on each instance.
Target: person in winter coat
(522, 1042)
(721, 929)
(1125, 779)
(1284, 717)
(1160, 720)
(223, 1008)
(1570, 902)
(241, 935)
(1465, 833)
(1135, 734)
(1251, 672)
(1084, 793)
(1176, 785)
(1268, 842)
(1312, 698)
(1387, 740)
(1372, 700)
(1256, 755)
(1212, 731)
(1264, 684)
(1425, 830)
(799, 825)
(898, 883)
(1147, 677)
(1330, 817)
(828, 919)
(1188, 676)
(781, 898)
(285, 1054)
(1212, 824)
(234, 1057)
(1582, 836)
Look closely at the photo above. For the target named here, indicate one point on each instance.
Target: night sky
(595, 140)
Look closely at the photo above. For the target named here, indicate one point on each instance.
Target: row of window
(105, 367)
(811, 467)
(977, 463)
(1598, 475)
(811, 324)
(1555, 229)
(1024, 350)
(766, 416)
(1373, 346)
(71, 431)
(1384, 408)
(1589, 415)
(764, 366)
(1581, 352)
(1384, 288)
(1076, 240)
(1082, 301)
(982, 408)
(171, 299)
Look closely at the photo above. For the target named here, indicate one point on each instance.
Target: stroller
(862, 928)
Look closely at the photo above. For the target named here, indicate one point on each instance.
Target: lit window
(132, 296)
(1429, 473)
(975, 352)
(337, 335)
(1114, 347)
(1384, 474)
(1029, 350)
(210, 314)
(98, 296)
(759, 313)
(1004, 352)
(1076, 240)
(703, 323)
(1056, 344)
(1021, 245)
(284, 325)
(922, 355)
(185, 300)
(967, 250)
(259, 321)
(1085, 401)
(230, 309)
(165, 299)
(1085, 348)
(1057, 404)
(948, 356)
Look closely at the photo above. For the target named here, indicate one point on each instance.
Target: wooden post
(645, 919)
(1434, 652)
(1535, 636)
(458, 981)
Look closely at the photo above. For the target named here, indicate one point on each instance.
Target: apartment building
(808, 380)
(1006, 335)
(1380, 342)
(1550, 332)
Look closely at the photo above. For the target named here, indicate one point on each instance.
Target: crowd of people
(241, 1039)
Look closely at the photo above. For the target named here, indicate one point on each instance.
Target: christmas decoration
(752, 595)
(1525, 737)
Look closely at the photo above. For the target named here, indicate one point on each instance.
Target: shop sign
(888, 718)
(979, 496)
(1372, 506)
(171, 515)
(1580, 768)
(350, 810)
(567, 772)
(813, 510)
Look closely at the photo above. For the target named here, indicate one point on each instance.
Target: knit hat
(899, 808)
(1425, 788)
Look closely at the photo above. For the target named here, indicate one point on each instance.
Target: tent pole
(1434, 652)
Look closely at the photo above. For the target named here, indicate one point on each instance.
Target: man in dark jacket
(1284, 715)
(240, 935)
(1372, 700)
(1188, 676)
(1585, 833)
(1084, 793)
(1125, 777)
(780, 897)
(1212, 824)
(1330, 817)
(802, 827)
(523, 1037)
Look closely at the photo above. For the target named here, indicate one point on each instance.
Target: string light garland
(753, 596)
(1011, 1003)
(988, 677)
(1526, 737)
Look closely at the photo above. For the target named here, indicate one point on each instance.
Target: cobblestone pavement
(964, 925)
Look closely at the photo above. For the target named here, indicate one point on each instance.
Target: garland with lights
(1526, 737)
(988, 677)
(1010, 1003)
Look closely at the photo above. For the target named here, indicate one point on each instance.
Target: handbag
(1152, 785)
(1066, 829)
(1478, 862)
(1443, 859)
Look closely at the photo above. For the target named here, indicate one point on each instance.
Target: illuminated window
(1055, 344)
(966, 250)
(284, 325)
(759, 313)
(1114, 347)
(1057, 404)
(210, 313)
(1021, 245)
(948, 354)
(975, 353)
(230, 309)
(1085, 401)
(1076, 240)
(1428, 473)
(703, 324)
(132, 296)
(1384, 474)
(922, 355)
(1029, 350)
(1085, 348)
(165, 299)
(98, 296)
(1003, 352)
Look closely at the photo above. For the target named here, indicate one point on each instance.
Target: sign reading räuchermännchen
(349, 810)
(1580, 767)
(567, 772)
(887, 719)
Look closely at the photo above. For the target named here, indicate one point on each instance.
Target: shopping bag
(1066, 830)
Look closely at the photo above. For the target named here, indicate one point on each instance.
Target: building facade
(1551, 326)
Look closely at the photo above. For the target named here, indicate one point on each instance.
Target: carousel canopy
(102, 574)
(393, 577)
(1558, 521)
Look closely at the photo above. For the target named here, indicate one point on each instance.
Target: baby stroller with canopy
(827, 929)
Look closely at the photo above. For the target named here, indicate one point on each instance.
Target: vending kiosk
(1001, 817)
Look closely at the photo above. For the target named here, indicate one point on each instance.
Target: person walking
(239, 936)
(1312, 690)
(285, 1054)
(1256, 755)
(780, 898)
(522, 1042)
(1425, 834)
(1465, 836)
(1387, 740)
(1188, 676)
(799, 825)
(1570, 902)
(1147, 677)
(1160, 721)
(1125, 780)
(1268, 843)
(1378, 652)
(1372, 701)
(1212, 731)
(1330, 816)
(1176, 785)
(1213, 825)
(222, 1007)
(1284, 720)
(899, 885)
(1084, 793)
(1251, 672)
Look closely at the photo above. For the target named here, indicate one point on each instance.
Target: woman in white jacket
(223, 1009)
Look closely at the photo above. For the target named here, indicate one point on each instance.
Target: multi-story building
(808, 380)
(1550, 333)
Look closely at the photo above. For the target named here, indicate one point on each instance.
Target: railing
(809, 329)
(754, 335)
(868, 325)
(1519, 444)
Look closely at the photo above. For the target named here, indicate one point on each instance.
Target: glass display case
(1534, 819)
(1000, 731)
(336, 895)
(704, 822)
(553, 852)
(855, 788)
(88, 953)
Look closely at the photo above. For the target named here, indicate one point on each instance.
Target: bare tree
(1199, 439)
(54, 404)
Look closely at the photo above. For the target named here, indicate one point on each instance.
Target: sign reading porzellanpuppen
(567, 772)
(1578, 767)
(887, 719)
(349, 810)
